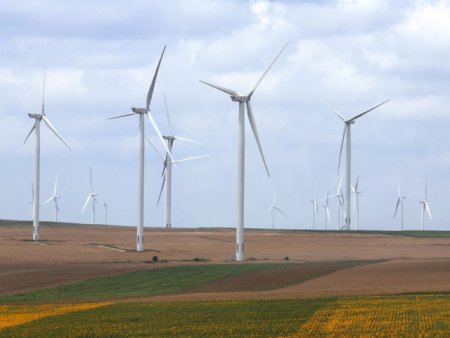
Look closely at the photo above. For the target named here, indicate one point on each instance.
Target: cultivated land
(333, 283)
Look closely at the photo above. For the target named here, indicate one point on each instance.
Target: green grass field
(185, 278)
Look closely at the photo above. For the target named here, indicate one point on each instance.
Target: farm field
(394, 316)
(294, 283)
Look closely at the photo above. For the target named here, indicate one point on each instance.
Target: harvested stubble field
(93, 272)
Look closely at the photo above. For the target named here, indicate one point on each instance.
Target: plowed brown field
(73, 253)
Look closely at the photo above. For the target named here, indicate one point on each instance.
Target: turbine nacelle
(240, 98)
(140, 110)
(36, 116)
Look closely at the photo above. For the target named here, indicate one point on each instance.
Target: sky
(100, 58)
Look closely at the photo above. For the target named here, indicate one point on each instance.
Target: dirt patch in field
(276, 278)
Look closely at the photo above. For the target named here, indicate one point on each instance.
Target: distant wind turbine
(142, 112)
(356, 194)
(348, 148)
(274, 208)
(400, 202)
(327, 210)
(106, 212)
(425, 207)
(167, 167)
(244, 100)
(341, 203)
(315, 208)
(92, 196)
(37, 129)
(55, 198)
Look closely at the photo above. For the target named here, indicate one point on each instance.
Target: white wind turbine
(274, 208)
(244, 100)
(142, 112)
(92, 196)
(356, 194)
(400, 202)
(425, 207)
(327, 210)
(348, 148)
(37, 129)
(105, 205)
(341, 203)
(55, 198)
(167, 167)
(315, 208)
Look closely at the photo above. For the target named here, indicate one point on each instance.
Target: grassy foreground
(381, 316)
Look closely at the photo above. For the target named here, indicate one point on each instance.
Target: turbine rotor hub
(240, 98)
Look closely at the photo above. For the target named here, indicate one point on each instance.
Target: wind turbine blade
(356, 184)
(428, 209)
(267, 70)
(120, 116)
(86, 203)
(226, 90)
(191, 158)
(162, 188)
(339, 187)
(56, 205)
(164, 167)
(53, 129)
(328, 215)
(90, 179)
(48, 200)
(280, 211)
(43, 95)
(270, 208)
(186, 139)
(359, 115)
(154, 148)
(152, 86)
(396, 207)
(337, 113)
(342, 145)
(251, 119)
(32, 128)
(56, 185)
(168, 117)
(155, 127)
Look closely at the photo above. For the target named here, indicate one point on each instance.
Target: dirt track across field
(73, 253)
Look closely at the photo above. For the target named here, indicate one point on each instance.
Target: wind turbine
(141, 112)
(425, 206)
(315, 208)
(274, 208)
(92, 196)
(167, 167)
(341, 203)
(348, 148)
(106, 211)
(400, 202)
(244, 100)
(37, 130)
(55, 198)
(326, 210)
(356, 194)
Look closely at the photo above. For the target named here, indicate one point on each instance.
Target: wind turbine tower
(142, 112)
(37, 179)
(327, 210)
(348, 148)
(244, 100)
(356, 194)
(315, 208)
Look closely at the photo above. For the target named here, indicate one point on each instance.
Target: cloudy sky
(353, 54)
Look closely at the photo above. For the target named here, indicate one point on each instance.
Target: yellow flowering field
(12, 315)
(394, 316)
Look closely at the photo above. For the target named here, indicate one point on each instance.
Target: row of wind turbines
(244, 108)
(341, 204)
